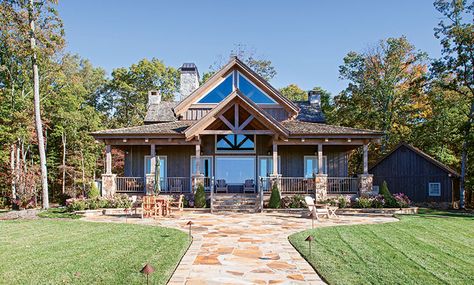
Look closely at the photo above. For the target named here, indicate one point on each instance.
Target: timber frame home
(235, 134)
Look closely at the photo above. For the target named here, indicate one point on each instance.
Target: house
(235, 133)
(409, 170)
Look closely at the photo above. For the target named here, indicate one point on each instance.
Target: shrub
(389, 200)
(363, 202)
(342, 201)
(402, 200)
(93, 191)
(296, 201)
(4, 202)
(275, 198)
(80, 204)
(378, 201)
(200, 197)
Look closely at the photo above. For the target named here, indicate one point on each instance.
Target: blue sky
(305, 40)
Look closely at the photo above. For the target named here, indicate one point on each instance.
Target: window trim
(160, 156)
(236, 151)
(430, 184)
(268, 157)
(315, 157)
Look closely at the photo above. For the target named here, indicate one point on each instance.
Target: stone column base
(321, 185)
(366, 182)
(109, 185)
(150, 184)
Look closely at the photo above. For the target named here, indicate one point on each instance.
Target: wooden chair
(221, 186)
(249, 186)
(315, 209)
(149, 207)
(176, 186)
(179, 203)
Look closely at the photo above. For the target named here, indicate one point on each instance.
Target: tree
(294, 93)
(259, 64)
(35, 23)
(385, 90)
(126, 96)
(456, 67)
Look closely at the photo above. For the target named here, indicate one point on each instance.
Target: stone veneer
(109, 185)
(366, 182)
(321, 185)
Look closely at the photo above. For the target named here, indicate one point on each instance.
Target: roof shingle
(162, 112)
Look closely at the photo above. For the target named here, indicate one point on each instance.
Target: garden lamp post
(309, 239)
(189, 224)
(147, 270)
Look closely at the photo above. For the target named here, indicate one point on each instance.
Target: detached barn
(409, 170)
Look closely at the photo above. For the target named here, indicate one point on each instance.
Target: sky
(305, 40)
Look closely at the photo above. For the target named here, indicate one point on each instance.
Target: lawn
(419, 249)
(48, 251)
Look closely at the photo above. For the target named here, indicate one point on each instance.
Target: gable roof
(249, 105)
(182, 106)
(420, 153)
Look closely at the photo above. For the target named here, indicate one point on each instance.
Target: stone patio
(243, 248)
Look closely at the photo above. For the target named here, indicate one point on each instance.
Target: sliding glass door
(235, 169)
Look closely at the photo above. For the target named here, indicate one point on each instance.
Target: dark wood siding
(407, 172)
(292, 157)
(178, 159)
(292, 160)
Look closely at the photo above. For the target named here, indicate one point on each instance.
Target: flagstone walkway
(243, 248)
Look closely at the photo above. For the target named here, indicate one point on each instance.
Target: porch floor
(243, 248)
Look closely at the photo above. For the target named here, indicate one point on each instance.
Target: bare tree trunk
(64, 162)
(13, 170)
(38, 122)
(83, 175)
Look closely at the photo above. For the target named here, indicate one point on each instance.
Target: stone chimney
(189, 80)
(154, 98)
(314, 99)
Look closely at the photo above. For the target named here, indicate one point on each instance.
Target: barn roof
(420, 153)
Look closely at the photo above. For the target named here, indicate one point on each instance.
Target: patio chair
(249, 186)
(176, 186)
(221, 186)
(316, 210)
(179, 203)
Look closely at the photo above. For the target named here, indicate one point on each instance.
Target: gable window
(219, 92)
(253, 92)
(311, 166)
(223, 89)
(434, 189)
(235, 143)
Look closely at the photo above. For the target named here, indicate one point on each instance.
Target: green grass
(74, 252)
(420, 249)
(58, 213)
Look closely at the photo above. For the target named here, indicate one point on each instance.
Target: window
(235, 143)
(221, 91)
(253, 92)
(265, 166)
(311, 166)
(235, 170)
(434, 189)
(205, 168)
(226, 87)
(163, 165)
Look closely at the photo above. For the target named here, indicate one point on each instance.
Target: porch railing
(130, 184)
(289, 185)
(175, 184)
(342, 185)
